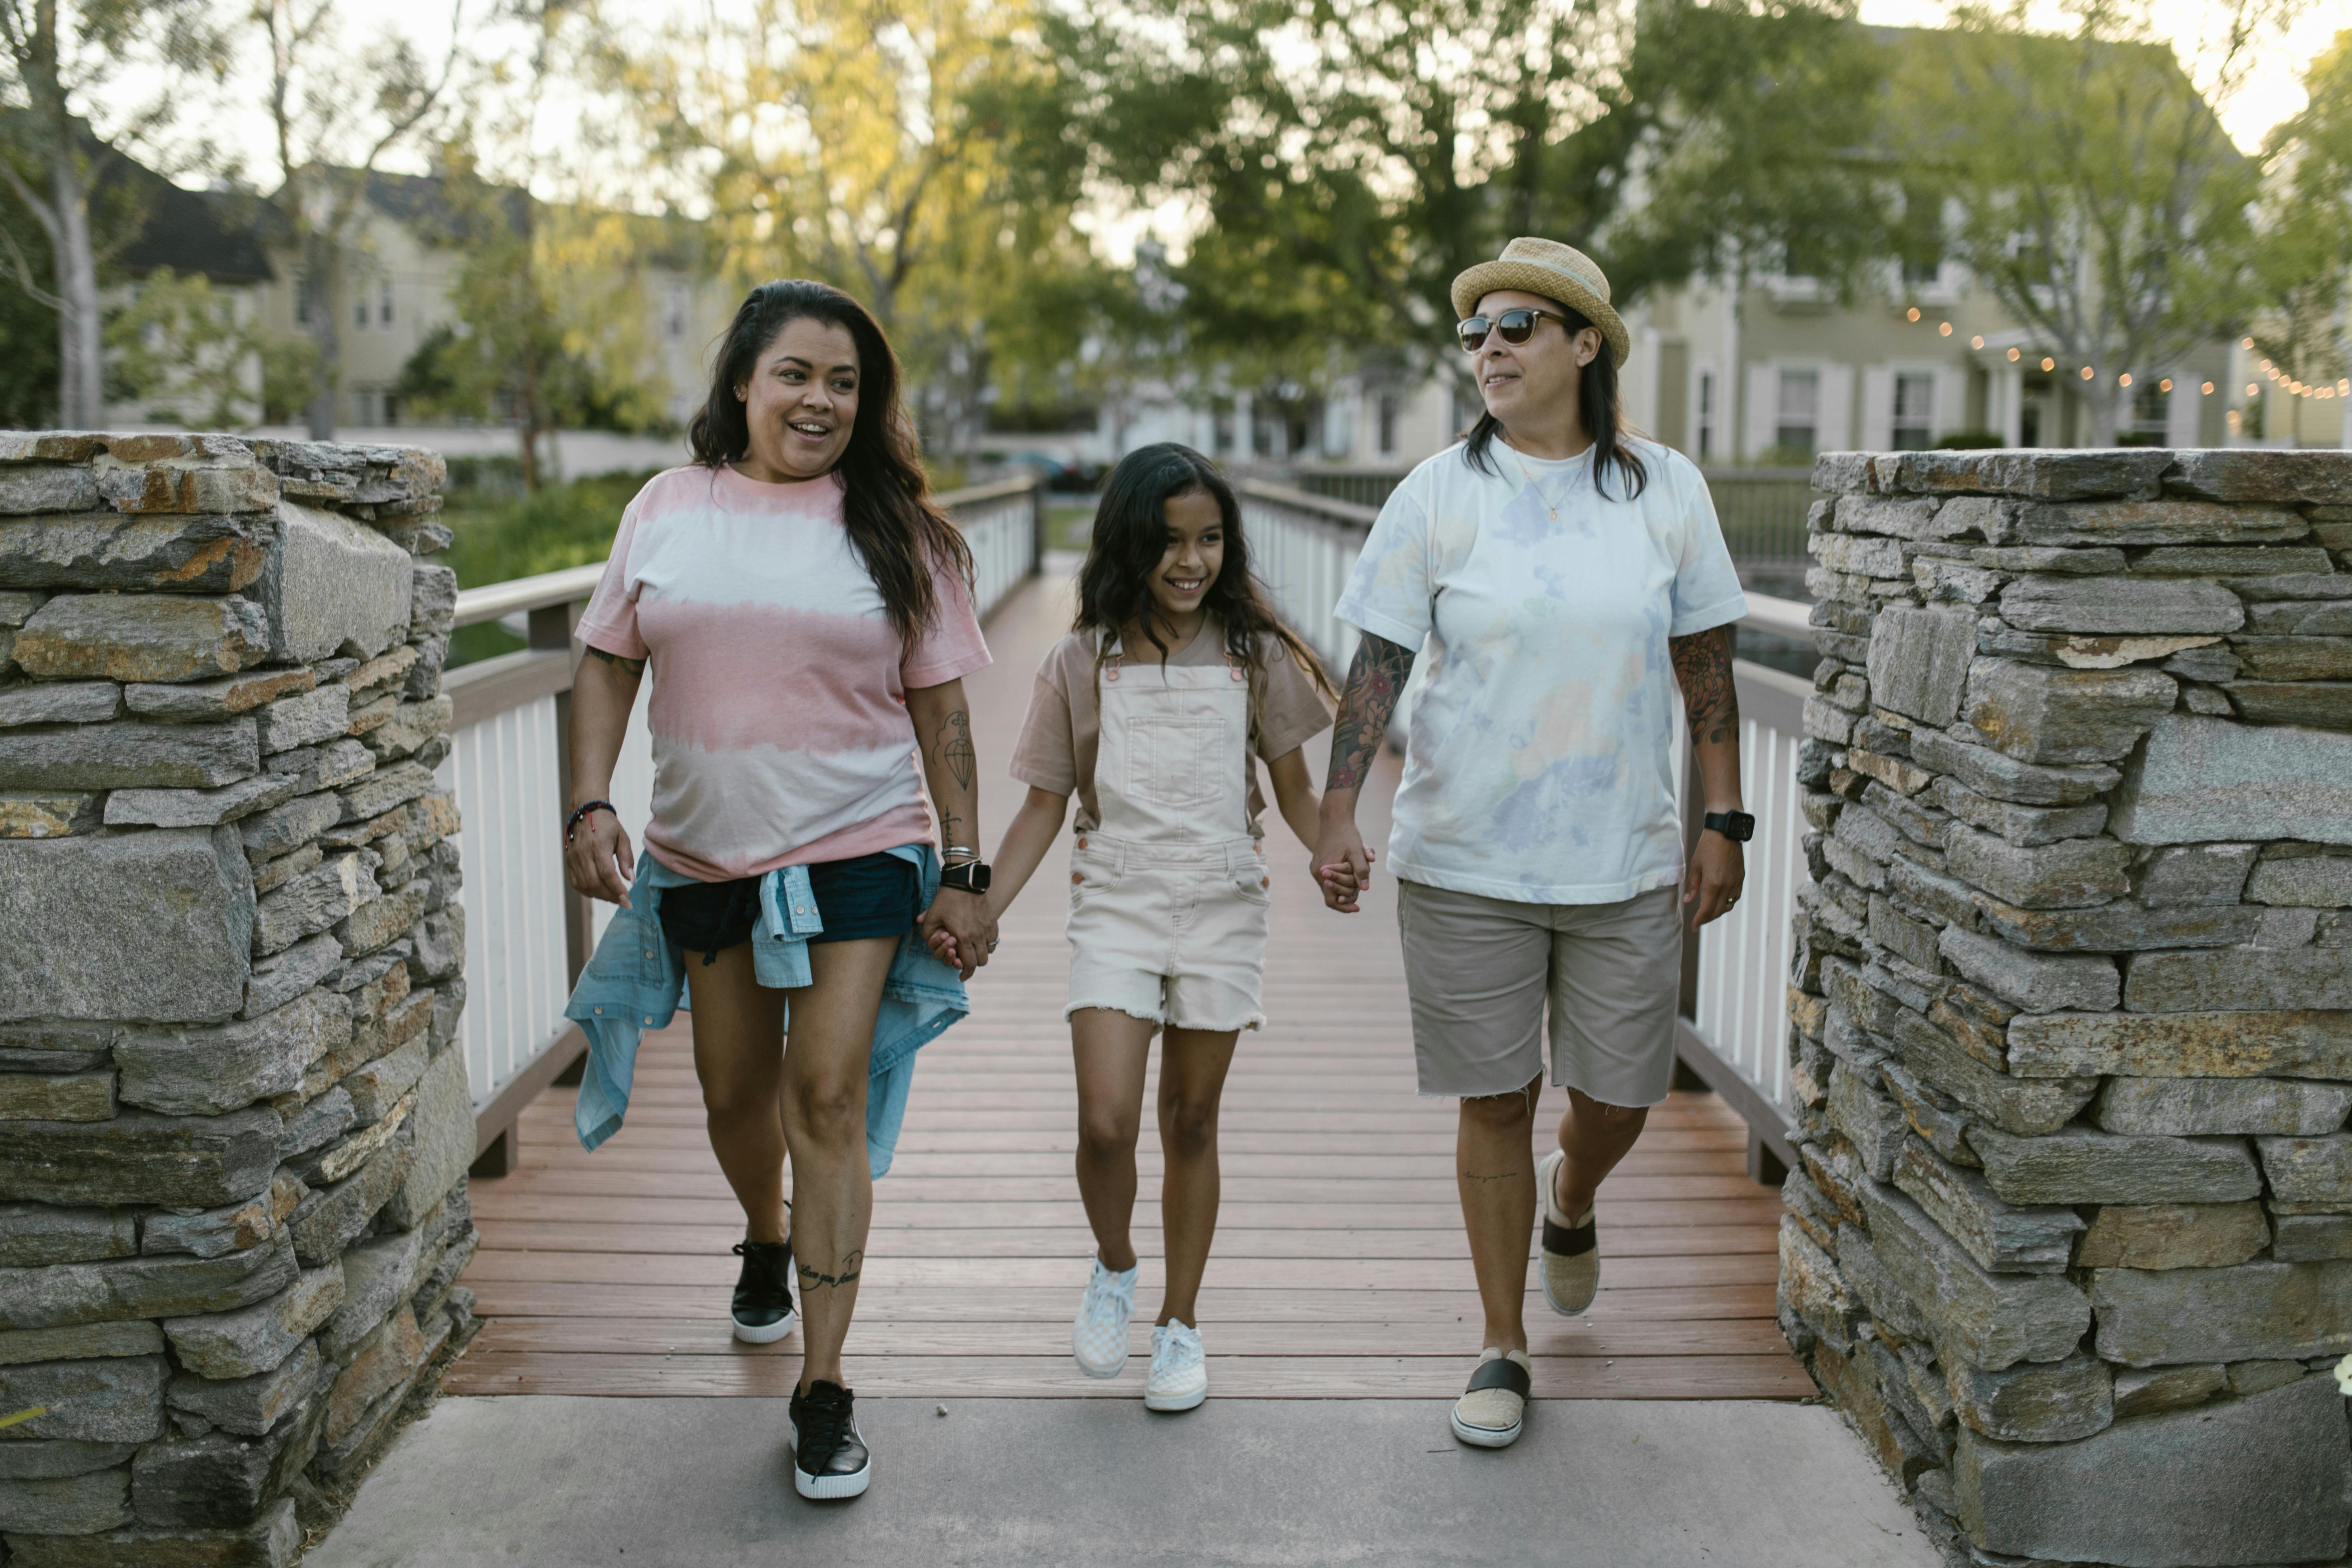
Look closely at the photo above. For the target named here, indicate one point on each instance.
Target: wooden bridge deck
(1340, 1270)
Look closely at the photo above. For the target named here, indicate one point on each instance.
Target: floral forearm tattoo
(1703, 666)
(1375, 680)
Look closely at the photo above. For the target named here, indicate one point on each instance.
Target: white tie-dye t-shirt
(778, 709)
(1538, 765)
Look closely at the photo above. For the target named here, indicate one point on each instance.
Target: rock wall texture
(2071, 1244)
(232, 1135)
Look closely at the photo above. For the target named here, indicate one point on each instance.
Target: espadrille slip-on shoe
(1572, 1252)
(1492, 1411)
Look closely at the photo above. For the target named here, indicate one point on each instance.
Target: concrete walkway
(549, 1483)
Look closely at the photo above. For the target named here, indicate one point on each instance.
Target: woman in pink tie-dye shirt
(806, 613)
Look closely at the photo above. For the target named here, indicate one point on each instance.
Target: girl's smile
(1194, 555)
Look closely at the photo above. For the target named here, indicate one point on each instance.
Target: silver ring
(991, 943)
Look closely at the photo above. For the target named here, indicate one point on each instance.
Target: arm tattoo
(955, 748)
(635, 667)
(1703, 666)
(1375, 680)
(850, 1267)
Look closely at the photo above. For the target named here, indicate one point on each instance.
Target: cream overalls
(1169, 896)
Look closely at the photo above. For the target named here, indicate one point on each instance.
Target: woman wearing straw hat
(1566, 576)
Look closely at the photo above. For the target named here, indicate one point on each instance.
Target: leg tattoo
(850, 1267)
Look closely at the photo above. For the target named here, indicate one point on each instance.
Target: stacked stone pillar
(2071, 1244)
(234, 1134)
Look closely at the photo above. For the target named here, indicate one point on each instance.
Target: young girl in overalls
(1152, 711)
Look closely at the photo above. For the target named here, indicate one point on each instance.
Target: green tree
(179, 344)
(29, 328)
(58, 63)
(2303, 265)
(335, 112)
(2101, 203)
(1346, 158)
(861, 142)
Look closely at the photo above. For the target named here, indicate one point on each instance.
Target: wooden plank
(962, 1273)
(874, 1337)
(1053, 1305)
(1053, 1377)
(1234, 1244)
(717, 1207)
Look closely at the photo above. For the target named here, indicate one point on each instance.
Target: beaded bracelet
(571, 823)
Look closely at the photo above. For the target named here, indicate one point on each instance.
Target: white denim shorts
(1171, 933)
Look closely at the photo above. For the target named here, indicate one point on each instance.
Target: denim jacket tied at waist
(637, 982)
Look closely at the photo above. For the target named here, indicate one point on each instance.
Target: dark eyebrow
(811, 364)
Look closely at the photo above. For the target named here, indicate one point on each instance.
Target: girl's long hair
(900, 537)
(1597, 409)
(1130, 539)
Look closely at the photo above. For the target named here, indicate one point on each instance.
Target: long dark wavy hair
(900, 537)
(1597, 409)
(1130, 539)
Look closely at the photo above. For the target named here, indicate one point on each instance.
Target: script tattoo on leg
(1375, 680)
(811, 1278)
(1703, 666)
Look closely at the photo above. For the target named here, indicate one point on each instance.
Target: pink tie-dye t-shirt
(780, 729)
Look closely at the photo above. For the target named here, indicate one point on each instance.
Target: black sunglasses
(1517, 325)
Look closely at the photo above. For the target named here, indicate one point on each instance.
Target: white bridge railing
(526, 935)
(1735, 984)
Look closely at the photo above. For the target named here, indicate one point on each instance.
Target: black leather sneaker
(829, 1457)
(764, 1293)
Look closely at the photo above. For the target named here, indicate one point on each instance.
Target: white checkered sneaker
(1179, 1370)
(1098, 1338)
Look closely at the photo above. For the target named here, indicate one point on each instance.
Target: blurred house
(397, 270)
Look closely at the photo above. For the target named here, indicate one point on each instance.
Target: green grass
(1069, 524)
(499, 538)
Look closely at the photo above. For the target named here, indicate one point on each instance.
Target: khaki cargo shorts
(1480, 972)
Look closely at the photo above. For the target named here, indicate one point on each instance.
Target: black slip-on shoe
(1492, 1410)
(762, 1310)
(829, 1457)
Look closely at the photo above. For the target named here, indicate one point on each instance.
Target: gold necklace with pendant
(1529, 480)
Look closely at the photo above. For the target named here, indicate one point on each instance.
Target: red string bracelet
(571, 823)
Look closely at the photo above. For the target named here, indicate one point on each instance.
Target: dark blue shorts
(874, 895)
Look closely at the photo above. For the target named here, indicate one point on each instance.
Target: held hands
(960, 929)
(597, 857)
(1341, 866)
(1718, 869)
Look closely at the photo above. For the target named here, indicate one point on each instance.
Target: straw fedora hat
(1556, 271)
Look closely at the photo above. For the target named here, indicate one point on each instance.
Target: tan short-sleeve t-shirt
(1056, 751)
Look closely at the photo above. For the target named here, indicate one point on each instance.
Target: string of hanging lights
(2280, 378)
(2341, 388)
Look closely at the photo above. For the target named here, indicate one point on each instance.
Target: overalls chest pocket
(1176, 759)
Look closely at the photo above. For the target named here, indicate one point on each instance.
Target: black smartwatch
(971, 877)
(1736, 826)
